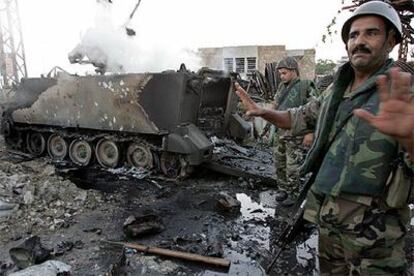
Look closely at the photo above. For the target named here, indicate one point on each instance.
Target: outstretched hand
(252, 109)
(396, 112)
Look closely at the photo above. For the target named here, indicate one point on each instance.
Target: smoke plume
(108, 47)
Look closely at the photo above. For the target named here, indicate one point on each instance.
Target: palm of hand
(395, 118)
(396, 112)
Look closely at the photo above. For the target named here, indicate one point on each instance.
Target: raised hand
(396, 113)
(252, 109)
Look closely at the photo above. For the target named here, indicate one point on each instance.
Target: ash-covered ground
(74, 212)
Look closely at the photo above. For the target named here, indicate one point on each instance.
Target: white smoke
(109, 45)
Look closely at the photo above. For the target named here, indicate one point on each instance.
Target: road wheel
(57, 147)
(107, 153)
(36, 143)
(80, 152)
(174, 165)
(140, 156)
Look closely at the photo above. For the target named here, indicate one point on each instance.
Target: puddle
(268, 199)
(253, 218)
(249, 208)
(250, 235)
(307, 252)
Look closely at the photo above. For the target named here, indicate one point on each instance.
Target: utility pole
(12, 56)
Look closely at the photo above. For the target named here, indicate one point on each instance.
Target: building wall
(269, 54)
(240, 51)
(306, 61)
(214, 57)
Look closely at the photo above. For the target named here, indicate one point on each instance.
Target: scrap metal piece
(130, 31)
(252, 163)
(144, 225)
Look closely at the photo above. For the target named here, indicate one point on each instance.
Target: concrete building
(245, 59)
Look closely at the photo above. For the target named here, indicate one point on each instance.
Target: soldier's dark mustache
(361, 49)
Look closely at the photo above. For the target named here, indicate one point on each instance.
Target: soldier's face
(286, 75)
(368, 45)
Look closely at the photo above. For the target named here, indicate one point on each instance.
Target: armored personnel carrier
(151, 120)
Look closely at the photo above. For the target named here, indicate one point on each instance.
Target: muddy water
(257, 213)
(247, 237)
(266, 208)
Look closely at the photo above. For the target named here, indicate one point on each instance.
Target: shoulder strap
(283, 96)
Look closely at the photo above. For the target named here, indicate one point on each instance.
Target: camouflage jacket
(350, 156)
(297, 93)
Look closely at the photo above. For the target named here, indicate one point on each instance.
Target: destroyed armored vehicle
(157, 121)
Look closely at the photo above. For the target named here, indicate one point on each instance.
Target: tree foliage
(324, 66)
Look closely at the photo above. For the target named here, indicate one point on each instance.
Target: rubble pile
(36, 200)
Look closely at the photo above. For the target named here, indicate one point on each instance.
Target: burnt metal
(249, 163)
(239, 128)
(143, 103)
(172, 111)
(239, 172)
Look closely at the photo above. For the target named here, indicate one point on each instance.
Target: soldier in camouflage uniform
(289, 151)
(363, 175)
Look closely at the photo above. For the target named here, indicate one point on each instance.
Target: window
(240, 65)
(228, 64)
(251, 64)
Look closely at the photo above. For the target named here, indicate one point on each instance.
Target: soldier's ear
(391, 41)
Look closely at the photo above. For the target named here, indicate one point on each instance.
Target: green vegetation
(324, 66)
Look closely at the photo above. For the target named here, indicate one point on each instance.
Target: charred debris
(106, 132)
(168, 122)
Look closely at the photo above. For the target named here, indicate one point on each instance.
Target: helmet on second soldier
(288, 63)
(379, 8)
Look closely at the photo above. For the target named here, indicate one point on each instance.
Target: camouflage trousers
(358, 239)
(289, 155)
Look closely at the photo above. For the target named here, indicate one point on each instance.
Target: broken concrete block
(29, 252)
(228, 203)
(28, 198)
(48, 268)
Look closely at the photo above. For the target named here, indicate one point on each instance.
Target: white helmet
(379, 8)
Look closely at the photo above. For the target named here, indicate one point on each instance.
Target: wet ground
(91, 206)
(194, 223)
